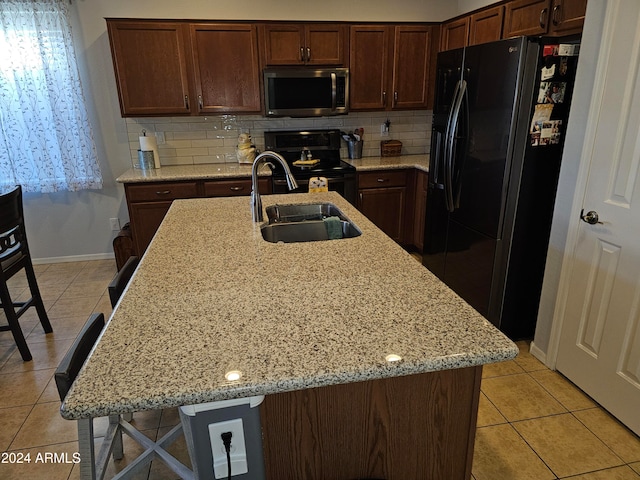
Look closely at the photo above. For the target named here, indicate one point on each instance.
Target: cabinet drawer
(161, 191)
(383, 178)
(229, 188)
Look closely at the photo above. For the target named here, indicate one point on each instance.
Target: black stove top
(321, 145)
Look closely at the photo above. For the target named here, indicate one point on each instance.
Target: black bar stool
(14, 257)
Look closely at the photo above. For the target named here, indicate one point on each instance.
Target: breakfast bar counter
(211, 296)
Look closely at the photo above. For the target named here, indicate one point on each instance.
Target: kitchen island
(310, 326)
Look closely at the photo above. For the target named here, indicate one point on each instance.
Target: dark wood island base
(417, 427)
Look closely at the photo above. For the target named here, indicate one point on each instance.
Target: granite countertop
(210, 296)
(421, 162)
(212, 171)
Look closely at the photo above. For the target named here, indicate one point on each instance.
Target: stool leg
(14, 325)
(37, 298)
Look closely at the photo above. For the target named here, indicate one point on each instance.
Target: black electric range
(321, 145)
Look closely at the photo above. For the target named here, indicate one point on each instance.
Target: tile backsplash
(213, 139)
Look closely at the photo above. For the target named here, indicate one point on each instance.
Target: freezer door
(492, 72)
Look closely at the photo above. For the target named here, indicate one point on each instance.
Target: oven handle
(331, 180)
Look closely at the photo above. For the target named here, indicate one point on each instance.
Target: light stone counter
(207, 171)
(421, 162)
(212, 171)
(210, 296)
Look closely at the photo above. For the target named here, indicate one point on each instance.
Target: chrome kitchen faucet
(256, 201)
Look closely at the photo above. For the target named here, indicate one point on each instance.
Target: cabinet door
(454, 34)
(526, 17)
(369, 66)
(283, 44)
(151, 68)
(225, 61)
(422, 180)
(486, 26)
(411, 64)
(567, 16)
(385, 207)
(145, 218)
(325, 44)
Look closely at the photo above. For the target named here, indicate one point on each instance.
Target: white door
(599, 347)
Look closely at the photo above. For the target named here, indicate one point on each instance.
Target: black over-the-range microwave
(306, 92)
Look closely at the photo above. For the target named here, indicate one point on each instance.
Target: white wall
(67, 224)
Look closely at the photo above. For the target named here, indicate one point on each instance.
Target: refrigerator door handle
(448, 146)
(451, 141)
(436, 159)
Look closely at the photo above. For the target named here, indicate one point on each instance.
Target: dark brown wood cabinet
(304, 44)
(421, 182)
(390, 66)
(176, 68)
(454, 34)
(150, 61)
(226, 68)
(567, 16)
(542, 17)
(382, 198)
(148, 202)
(486, 26)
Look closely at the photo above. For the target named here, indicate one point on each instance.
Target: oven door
(345, 185)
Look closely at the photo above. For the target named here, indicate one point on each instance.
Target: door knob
(590, 217)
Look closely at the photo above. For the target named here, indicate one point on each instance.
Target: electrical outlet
(238, 448)
(384, 130)
(160, 138)
(115, 224)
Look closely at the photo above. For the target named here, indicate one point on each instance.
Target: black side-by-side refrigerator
(499, 120)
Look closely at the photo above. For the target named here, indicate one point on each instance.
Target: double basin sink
(310, 222)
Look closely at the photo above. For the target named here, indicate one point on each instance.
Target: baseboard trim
(539, 354)
(74, 258)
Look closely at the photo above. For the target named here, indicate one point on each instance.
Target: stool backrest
(120, 281)
(72, 362)
(12, 233)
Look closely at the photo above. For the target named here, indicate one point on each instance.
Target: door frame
(576, 164)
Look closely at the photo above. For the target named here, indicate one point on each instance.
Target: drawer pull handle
(381, 180)
(236, 189)
(163, 192)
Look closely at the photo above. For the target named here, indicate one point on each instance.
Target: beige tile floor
(532, 423)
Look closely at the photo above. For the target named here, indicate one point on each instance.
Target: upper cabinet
(454, 34)
(390, 66)
(176, 68)
(304, 44)
(150, 62)
(486, 26)
(226, 68)
(542, 17)
(512, 19)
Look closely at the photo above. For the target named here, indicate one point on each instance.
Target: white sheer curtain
(46, 143)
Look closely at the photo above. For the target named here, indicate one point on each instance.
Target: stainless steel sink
(303, 212)
(306, 223)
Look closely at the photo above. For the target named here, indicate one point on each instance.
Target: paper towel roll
(148, 143)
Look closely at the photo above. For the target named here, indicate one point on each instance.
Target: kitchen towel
(149, 143)
(334, 227)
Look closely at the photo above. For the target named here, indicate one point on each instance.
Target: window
(46, 143)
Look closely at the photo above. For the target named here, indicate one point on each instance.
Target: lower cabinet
(396, 201)
(148, 202)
